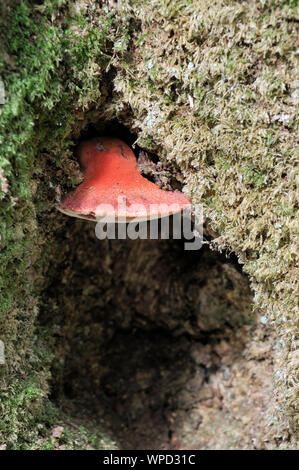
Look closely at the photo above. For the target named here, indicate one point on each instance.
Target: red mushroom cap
(114, 188)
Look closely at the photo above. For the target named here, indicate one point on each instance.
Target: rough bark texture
(140, 344)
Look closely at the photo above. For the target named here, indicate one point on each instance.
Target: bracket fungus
(114, 190)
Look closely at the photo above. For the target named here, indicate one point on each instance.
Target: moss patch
(51, 72)
(208, 86)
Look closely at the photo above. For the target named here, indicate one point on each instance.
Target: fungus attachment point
(114, 189)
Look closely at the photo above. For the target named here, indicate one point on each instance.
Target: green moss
(232, 119)
(50, 74)
(210, 86)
